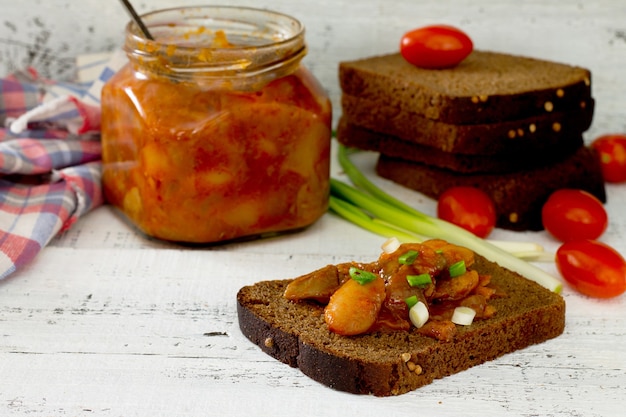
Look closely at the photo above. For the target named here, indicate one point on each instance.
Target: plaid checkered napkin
(50, 166)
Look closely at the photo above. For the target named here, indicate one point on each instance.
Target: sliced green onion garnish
(422, 280)
(378, 204)
(408, 258)
(463, 316)
(391, 245)
(361, 276)
(411, 301)
(457, 268)
(418, 314)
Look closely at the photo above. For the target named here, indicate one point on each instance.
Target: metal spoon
(137, 19)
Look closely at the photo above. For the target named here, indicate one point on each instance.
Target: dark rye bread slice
(384, 364)
(486, 87)
(507, 137)
(365, 139)
(518, 196)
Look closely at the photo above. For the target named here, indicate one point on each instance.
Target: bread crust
(380, 363)
(486, 87)
(541, 154)
(518, 196)
(507, 137)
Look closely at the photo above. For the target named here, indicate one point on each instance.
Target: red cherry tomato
(592, 268)
(570, 214)
(434, 47)
(469, 208)
(612, 152)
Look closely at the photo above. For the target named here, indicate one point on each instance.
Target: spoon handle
(137, 19)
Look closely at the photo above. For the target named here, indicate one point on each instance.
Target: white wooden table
(107, 323)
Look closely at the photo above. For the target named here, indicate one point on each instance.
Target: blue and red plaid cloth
(50, 151)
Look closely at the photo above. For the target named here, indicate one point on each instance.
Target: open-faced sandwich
(422, 311)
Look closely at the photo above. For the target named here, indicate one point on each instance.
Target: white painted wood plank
(107, 322)
(154, 331)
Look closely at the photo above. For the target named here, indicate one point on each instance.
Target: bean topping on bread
(415, 272)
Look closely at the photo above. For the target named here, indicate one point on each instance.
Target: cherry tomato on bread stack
(435, 47)
(612, 152)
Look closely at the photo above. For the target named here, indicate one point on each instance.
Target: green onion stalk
(375, 210)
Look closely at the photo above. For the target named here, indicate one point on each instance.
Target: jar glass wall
(215, 130)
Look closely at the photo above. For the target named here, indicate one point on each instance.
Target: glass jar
(214, 130)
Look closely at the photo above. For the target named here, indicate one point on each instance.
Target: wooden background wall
(48, 34)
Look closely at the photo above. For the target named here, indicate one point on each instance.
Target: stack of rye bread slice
(509, 125)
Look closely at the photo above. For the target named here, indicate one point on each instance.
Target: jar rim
(160, 17)
(187, 41)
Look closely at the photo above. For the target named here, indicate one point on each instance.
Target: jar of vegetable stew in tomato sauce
(214, 130)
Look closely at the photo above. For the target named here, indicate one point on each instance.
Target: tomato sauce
(195, 162)
(441, 296)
